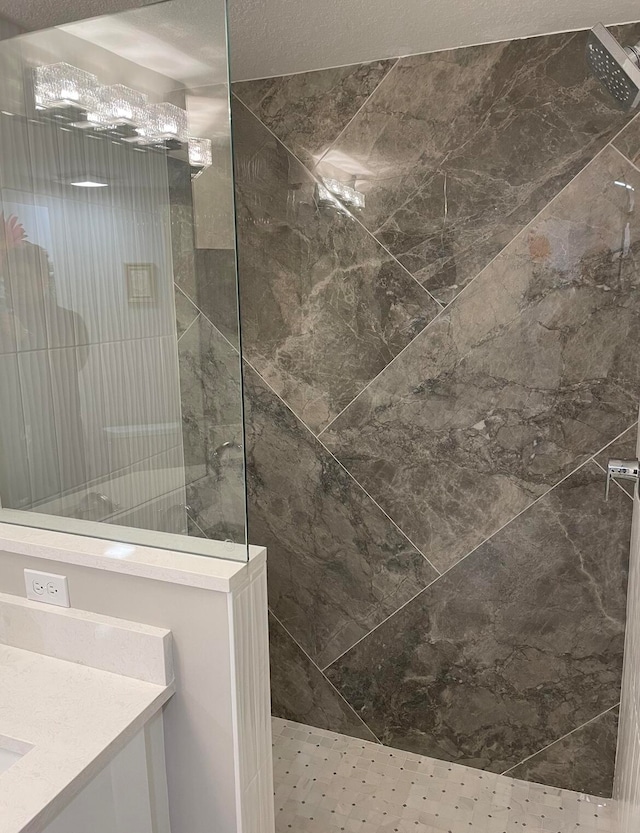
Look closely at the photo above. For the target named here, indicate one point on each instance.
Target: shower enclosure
(121, 406)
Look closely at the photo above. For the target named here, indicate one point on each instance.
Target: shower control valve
(621, 470)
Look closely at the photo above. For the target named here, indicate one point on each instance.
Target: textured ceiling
(39, 14)
(277, 37)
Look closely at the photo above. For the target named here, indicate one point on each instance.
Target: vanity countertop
(72, 718)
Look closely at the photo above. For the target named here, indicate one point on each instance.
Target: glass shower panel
(121, 402)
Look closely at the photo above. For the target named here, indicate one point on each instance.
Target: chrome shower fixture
(617, 68)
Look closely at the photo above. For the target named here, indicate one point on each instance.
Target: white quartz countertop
(74, 718)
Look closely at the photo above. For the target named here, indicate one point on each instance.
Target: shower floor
(326, 782)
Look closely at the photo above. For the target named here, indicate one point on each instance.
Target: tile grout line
(313, 71)
(316, 438)
(624, 156)
(198, 314)
(201, 314)
(341, 465)
(442, 310)
(486, 540)
(486, 266)
(193, 521)
(359, 110)
(563, 737)
(375, 628)
(352, 216)
(324, 677)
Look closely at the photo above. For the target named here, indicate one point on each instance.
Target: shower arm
(634, 53)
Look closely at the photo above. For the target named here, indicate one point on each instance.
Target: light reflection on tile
(324, 306)
(448, 186)
(307, 111)
(526, 374)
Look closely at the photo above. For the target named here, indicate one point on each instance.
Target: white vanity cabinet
(128, 796)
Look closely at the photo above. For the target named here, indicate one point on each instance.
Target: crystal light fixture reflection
(200, 153)
(166, 121)
(62, 85)
(332, 188)
(118, 105)
(116, 108)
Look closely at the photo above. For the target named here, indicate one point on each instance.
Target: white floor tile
(329, 783)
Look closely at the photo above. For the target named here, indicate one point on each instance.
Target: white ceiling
(277, 37)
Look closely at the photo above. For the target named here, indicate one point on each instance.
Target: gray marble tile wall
(210, 375)
(432, 385)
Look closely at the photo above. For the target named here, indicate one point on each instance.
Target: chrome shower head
(615, 67)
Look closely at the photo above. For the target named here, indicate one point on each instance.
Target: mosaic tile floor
(326, 782)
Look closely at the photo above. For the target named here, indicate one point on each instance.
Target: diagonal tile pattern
(525, 375)
(324, 307)
(449, 184)
(299, 688)
(307, 111)
(511, 649)
(337, 565)
(455, 422)
(585, 758)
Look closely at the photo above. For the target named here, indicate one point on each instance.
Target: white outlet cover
(49, 588)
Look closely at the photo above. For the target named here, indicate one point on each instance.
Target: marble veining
(449, 185)
(212, 432)
(307, 111)
(527, 374)
(582, 761)
(324, 306)
(517, 645)
(628, 141)
(299, 689)
(454, 426)
(337, 565)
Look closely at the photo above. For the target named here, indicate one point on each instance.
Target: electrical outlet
(47, 587)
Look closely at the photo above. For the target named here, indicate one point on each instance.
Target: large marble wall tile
(583, 761)
(337, 565)
(212, 431)
(457, 151)
(514, 647)
(628, 141)
(300, 692)
(528, 373)
(324, 307)
(308, 111)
